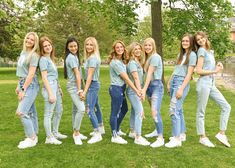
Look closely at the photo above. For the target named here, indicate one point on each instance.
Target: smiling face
(148, 47)
(47, 47)
(30, 41)
(185, 43)
(73, 47)
(89, 47)
(137, 51)
(119, 49)
(201, 41)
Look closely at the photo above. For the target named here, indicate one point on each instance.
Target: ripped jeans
(155, 93)
(176, 106)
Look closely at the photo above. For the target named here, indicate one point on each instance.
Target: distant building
(232, 32)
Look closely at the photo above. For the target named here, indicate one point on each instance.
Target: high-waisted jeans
(26, 106)
(155, 93)
(119, 107)
(176, 106)
(78, 106)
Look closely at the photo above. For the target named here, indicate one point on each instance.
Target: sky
(144, 9)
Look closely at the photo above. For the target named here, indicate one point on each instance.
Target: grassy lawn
(105, 153)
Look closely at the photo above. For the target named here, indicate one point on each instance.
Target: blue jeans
(176, 106)
(50, 107)
(98, 113)
(26, 106)
(136, 112)
(206, 88)
(92, 103)
(78, 106)
(155, 93)
(119, 107)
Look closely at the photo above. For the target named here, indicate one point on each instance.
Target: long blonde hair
(35, 47)
(131, 48)
(42, 52)
(146, 56)
(96, 48)
(113, 53)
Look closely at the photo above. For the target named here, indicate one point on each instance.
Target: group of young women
(142, 74)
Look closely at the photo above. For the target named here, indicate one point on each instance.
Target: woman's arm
(201, 71)
(90, 72)
(125, 77)
(78, 78)
(136, 79)
(28, 80)
(45, 81)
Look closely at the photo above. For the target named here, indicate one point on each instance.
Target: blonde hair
(113, 54)
(42, 52)
(96, 48)
(131, 55)
(35, 47)
(146, 56)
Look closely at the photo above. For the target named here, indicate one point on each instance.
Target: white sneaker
(182, 137)
(82, 137)
(120, 133)
(27, 143)
(118, 140)
(58, 135)
(159, 142)
(205, 141)
(152, 134)
(52, 140)
(100, 129)
(174, 142)
(36, 140)
(77, 140)
(223, 139)
(141, 141)
(132, 135)
(95, 138)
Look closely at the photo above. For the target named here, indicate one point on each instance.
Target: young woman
(72, 72)
(206, 88)
(92, 86)
(178, 88)
(135, 73)
(51, 91)
(27, 89)
(154, 86)
(118, 75)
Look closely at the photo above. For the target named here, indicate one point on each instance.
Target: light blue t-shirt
(72, 62)
(116, 67)
(182, 69)
(156, 61)
(209, 59)
(22, 69)
(133, 66)
(46, 64)
(92, 62)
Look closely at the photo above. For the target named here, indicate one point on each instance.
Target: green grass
(105, 153)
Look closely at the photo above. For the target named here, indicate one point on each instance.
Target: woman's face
(137, 51)
(185, 42)
(148, 47)
(201, 41)
(47, 47)
(89, 47)
(73, 47)
(119, 49)
(30, 41)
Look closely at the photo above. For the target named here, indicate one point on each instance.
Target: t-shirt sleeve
(43, 64)
(154, 61)
(201, 52)
(92, 63)
(192, 59)
(72, 62)
(34, 60)
(118, 68)
(132, 66)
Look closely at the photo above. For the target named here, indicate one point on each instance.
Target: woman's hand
(17, 90)
(179, 93)
(21, 95)
(168, 88)
(52, 98)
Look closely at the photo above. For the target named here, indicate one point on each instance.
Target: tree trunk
(156, 13)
